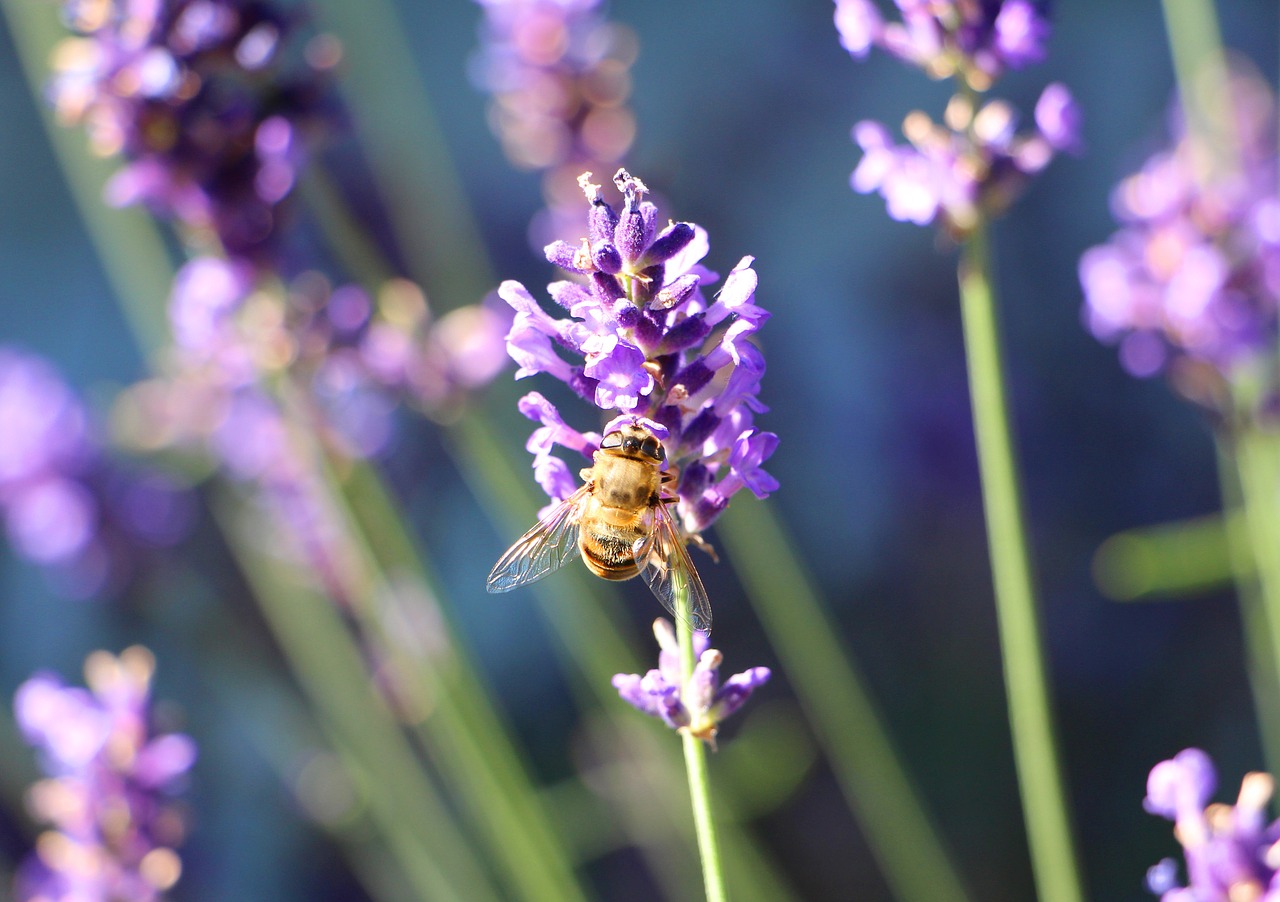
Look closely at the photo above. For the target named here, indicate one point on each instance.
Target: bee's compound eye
(612, 440)
(651, 448)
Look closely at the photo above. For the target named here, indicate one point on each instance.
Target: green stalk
(1254, 589)
(130, 249)
(1044, 805)
(695, 760)
(585, 620)
(463, 733)
(415, 178)
(139, 268)
(836, 701)
(1204, 86)
(412, 817)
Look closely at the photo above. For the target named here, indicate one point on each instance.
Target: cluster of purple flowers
(109, 793)
(975, 163)
(1191, 281)
(695, 705)
(355, 354)
(558, 73)
(196, 97)
(66, 506)
(646, 342)
(1231, 850)
(977, 41)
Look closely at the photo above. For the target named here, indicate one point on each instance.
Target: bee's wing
(664, 563)
(541, 550)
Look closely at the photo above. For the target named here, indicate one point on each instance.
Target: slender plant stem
(1035, 749)
(585, 620)
(837, 702)
(1254, 590)
(1204, 86)
(413, 818)
(695, 760)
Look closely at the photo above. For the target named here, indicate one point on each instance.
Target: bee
(618, 522)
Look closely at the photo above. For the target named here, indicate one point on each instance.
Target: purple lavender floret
(207, 101)
(978, 41)
(1229, 849)
(109, 793)
(642, 340)
(65, 506)
(1190, 284)
(696, 706)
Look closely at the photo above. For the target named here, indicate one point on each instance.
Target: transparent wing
(665, 565)
(542, 550)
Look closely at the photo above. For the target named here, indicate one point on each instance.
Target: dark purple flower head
(207, 100)
(697, 705)
(558, 75)
(974, 39)
(1191, 281)
(108, 794)
(1229, 849)
(642, 340)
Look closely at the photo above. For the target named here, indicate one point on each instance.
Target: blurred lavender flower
(201, 100)
(695, 706)
(977, 41)
(65, 506)
(557, 71)
(648, 343)
(1230, 850)
(110, 786)
(975, 163)
(1191, 281)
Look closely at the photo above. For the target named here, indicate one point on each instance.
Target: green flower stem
(1035, 749)
(1204, 87)
(836, 701)
(462, 733)
(1258, 607)
(136, 261)
(585, 619)
(1179, 558)
(411, 167)
(695, 760)
(131, 251)
(413, 820)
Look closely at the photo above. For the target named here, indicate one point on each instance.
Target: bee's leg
(702, 544)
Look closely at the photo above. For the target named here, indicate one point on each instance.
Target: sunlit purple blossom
(977, 41)
(205, 101)
(697, 705)
(642, 340)
(1191, 281)
(109, 791)
(971, 167)
(558, 74)
(1230, 850)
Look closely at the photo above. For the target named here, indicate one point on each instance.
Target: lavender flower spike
(1188, 286)
(108, 794)
(695, 706)
(642, 340)
(1230, 849)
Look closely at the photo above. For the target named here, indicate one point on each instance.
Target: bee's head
(634, 441)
